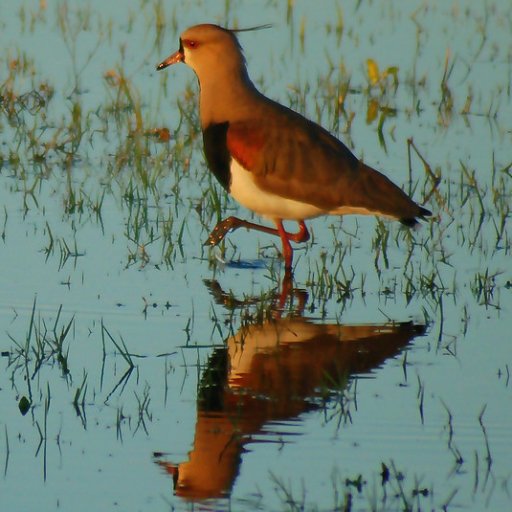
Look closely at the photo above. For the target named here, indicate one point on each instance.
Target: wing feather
(295, 158)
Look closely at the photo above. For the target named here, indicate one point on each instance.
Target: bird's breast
(264, 201)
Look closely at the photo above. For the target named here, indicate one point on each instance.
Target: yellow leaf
(373, 71)
(372, 110)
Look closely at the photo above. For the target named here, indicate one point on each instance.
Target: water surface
(142, 371)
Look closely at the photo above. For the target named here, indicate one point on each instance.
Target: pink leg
(301, 236)
(232, 223)
(287, 248)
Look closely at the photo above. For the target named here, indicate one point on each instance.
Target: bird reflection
(267, 374)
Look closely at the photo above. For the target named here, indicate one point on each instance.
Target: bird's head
(213, 52)
(209, 50)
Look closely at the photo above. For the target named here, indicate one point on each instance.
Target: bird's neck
(232, 100)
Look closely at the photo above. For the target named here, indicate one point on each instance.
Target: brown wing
(296, 158)
(246, 143)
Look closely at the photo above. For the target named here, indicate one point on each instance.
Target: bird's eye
(190, 43)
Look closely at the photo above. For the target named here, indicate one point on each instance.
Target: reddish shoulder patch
(245, 142)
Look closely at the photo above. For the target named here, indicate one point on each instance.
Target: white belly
(266, 204)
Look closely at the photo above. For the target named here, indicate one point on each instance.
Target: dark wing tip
(411, 222)
(424, 212)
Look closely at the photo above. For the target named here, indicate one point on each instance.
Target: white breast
(247, 193)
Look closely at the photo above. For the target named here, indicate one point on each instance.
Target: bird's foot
(221, 230)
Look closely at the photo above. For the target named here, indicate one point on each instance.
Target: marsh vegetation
(120, 330)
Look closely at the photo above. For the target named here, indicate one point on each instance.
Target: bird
(271, 159)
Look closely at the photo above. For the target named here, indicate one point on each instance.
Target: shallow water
(158, 374)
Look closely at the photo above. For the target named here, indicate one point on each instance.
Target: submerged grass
(43, 345)
(386, 489)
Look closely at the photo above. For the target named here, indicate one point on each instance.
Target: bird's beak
(172, 59)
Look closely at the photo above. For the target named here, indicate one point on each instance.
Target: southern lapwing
(271, 159)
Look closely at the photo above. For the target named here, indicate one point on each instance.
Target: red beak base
(172, 59)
